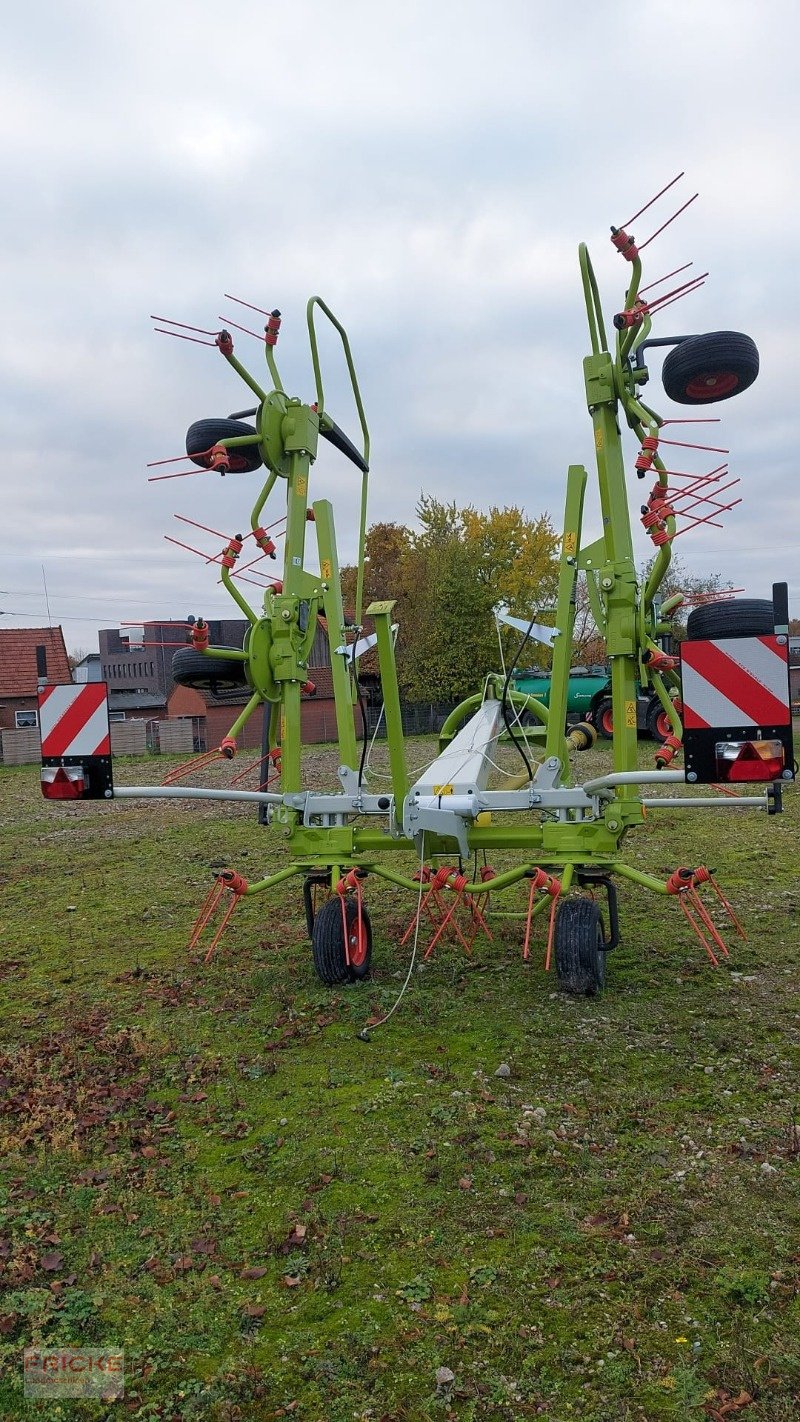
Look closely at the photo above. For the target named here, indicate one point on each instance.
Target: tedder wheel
(203, 434)
(703, 369)
(328, 944)
(658, 727)
(578, 941)
(191, 668)
(604, 719)
(740, 617)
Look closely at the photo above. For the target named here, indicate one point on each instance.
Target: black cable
(504, 703)
(362, 708)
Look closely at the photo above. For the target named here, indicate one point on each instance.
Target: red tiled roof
(18, 672)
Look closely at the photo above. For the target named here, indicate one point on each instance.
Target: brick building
(28, 656)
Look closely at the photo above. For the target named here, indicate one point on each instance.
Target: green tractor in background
(589, 699)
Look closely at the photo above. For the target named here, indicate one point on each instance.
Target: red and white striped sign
(734, 682)
(74, 720)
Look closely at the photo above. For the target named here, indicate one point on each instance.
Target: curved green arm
(312, 334)
(460, 712)
(668, 704)
(594, 310)
(237, 597)
(273, 879)
(255, 517)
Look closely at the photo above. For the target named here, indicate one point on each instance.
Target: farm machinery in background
(589, 698)
(566, 835)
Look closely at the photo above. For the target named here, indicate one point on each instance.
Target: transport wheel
(658, 727)
(191, 668)
(578, 941)
(739, 617)
(328, 942)
(704, 369)
(203, 434)
(604, 719)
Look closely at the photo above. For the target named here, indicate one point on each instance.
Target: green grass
(275, 1218)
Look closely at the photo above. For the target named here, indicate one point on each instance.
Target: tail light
(60, 782)
(739, 761)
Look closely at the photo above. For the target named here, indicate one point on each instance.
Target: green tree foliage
(446, 577)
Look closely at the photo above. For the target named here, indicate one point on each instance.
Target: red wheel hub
(607, 721)
(356, 941)
(662, 724)
(717, 382)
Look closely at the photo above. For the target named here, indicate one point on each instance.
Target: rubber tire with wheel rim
(204, 434)
(704, 369)
(658, 726)
(328, 944)
(578, 943)
(202, 673)
(740, 617)
(604, 720)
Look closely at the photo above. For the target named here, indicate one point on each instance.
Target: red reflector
(62, 783)
(739, 761)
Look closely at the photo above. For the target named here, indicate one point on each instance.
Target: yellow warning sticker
(570, 544)
(301, 485)
(630, 715)
(325, 569)
(598, 438)
(442, 789)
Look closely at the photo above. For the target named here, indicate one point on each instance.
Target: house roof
(19, 674)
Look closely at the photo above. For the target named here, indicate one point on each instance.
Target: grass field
(207, 1167)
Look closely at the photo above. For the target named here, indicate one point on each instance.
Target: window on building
(116, 715)
(24, 720)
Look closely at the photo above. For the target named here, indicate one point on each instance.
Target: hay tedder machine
(726, 701)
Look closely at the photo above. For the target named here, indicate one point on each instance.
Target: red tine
(685, 267)
(248, 304)
(652, 200)
(660, 229)
(201, 331)
(259, 336)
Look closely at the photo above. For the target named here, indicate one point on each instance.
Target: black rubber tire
(601, 715)
(658, 727)
(739, 617)
(327, 942)
(578, 939)
(202, 673)
(203, 434)
(705, 369)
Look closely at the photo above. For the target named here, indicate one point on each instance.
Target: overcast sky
(427, 168)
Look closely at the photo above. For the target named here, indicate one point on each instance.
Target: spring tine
(660, 229)
(202, 526)
(682, 444)
(226, 917)
(643, 289)
(179, 337)
(209, 904)
(208, 558)
(690, 919)
(201, 331)
(669, 298)
(248, 304)
(183, 474)
(247, 331)
(652, 200)
(175, 459)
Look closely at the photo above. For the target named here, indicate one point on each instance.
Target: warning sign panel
(737, 714)
(74, 720)
(735, 682)
(76, 743)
